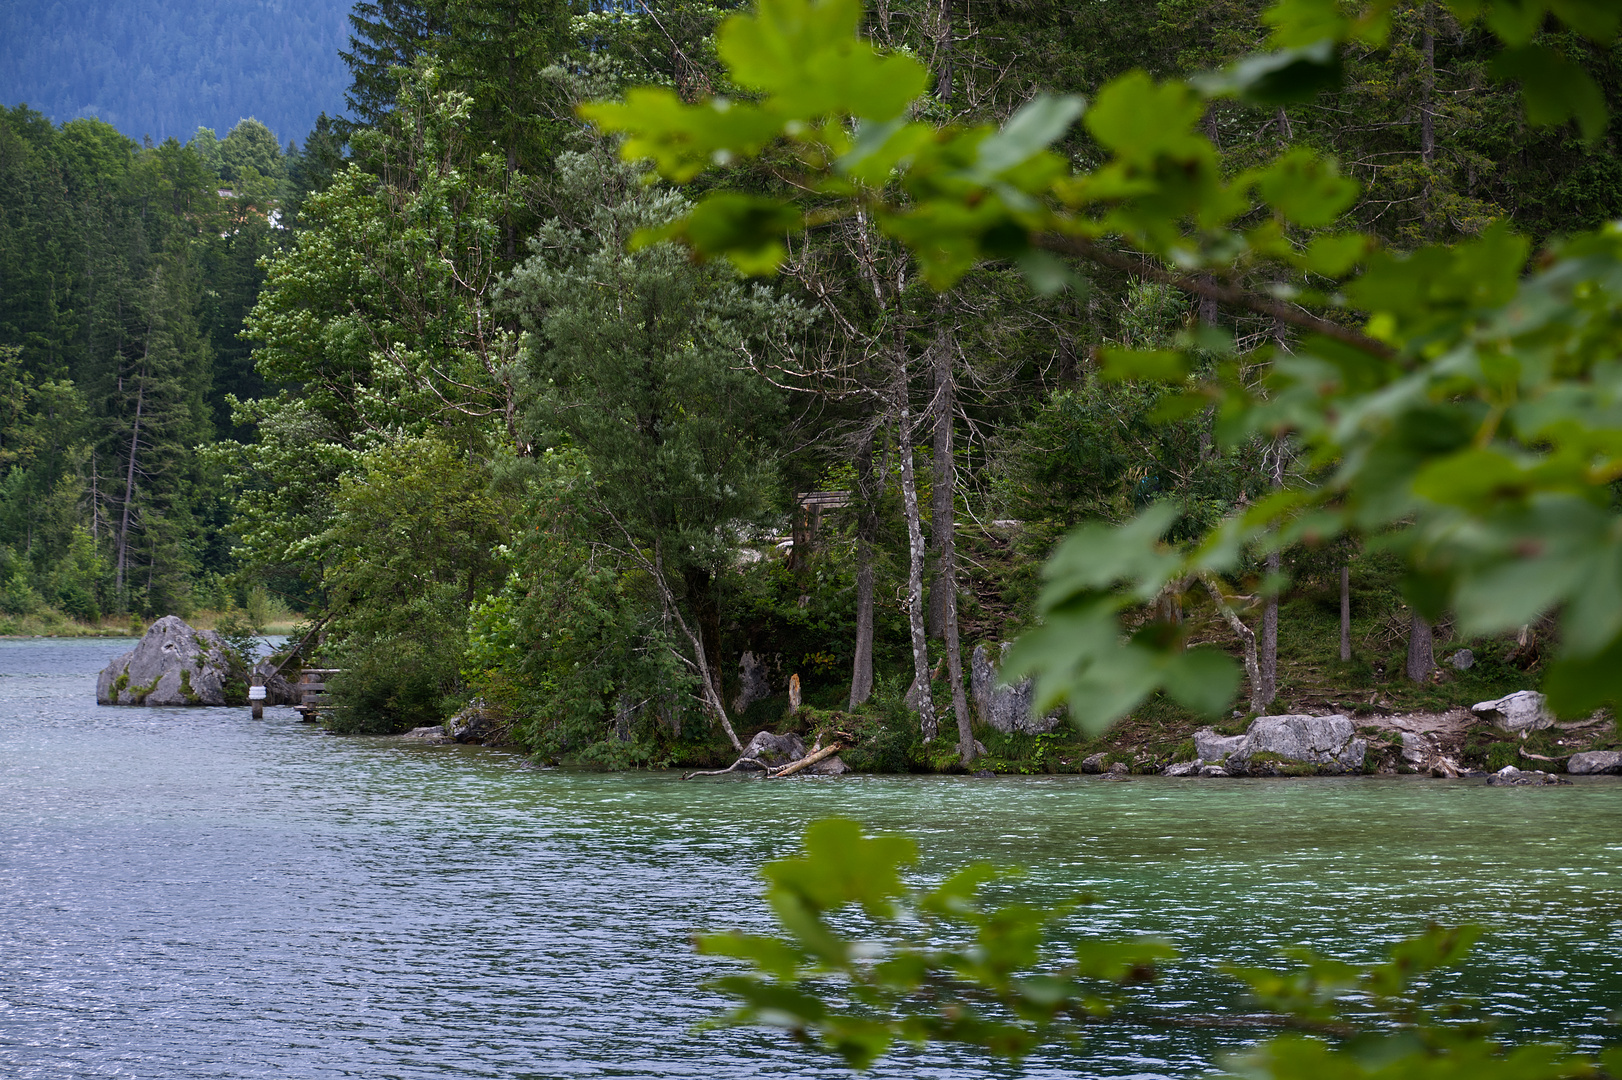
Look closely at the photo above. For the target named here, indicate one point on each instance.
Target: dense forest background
(405, 377)
(164, 68)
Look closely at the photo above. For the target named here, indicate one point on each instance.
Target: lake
(189, 893)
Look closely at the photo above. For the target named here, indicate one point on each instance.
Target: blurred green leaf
(1150, 365)
(1554, 90)
(1278, 78)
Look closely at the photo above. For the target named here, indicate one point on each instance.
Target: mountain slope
(167, 67)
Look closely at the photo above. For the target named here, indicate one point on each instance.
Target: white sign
(256, 693)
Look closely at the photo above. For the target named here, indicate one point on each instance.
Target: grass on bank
(50, 623)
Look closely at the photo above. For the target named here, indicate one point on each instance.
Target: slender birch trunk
(701, 660)
(941, 493)
(1427, 108)
(861, 676)
(921, 695)
(943, 531)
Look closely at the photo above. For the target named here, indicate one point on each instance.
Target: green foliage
(574, 633)
(1467, 406)
(931, 965)
(240, 632)
(250, 149)
(631, 362)
(887, 738)
(114, 305)
(411, 545)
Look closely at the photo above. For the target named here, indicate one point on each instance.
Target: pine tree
(386, 34)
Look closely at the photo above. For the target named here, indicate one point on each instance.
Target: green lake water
(193, 894)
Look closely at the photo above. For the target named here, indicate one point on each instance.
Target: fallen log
(747, 761)
(1539, 757)
(810, 759)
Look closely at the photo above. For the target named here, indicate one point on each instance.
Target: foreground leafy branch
(863, 961)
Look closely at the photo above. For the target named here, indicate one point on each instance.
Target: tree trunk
(1427, 91)
(1421, 650)
(867, 524)
(129, 493)
(708, 683)
(943, 51)
(1247, 642)
(943, 484)
(1346, 611)
(921, 695)
(1269, 642)
(1269, 637)
(943, 530)
(707, 614)
(1427, 109)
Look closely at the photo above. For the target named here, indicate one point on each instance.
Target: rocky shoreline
(177, 665)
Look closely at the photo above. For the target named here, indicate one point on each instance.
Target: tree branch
(1231, 295)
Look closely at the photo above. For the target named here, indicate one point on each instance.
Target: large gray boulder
(173, 665)
(754, 682)
(1523, 710)
(1595, 763)
(1209, 746)
(772, 750)
(477, 723)
(1008, 708)
(1418, 750)
(1329, 743)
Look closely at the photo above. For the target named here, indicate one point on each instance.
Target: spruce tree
(387, 34)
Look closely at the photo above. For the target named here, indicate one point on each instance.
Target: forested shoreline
(416, 382)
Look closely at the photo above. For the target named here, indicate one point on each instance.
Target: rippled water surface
(190, 893)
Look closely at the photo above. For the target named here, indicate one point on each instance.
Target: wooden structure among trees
(808, 509)
(312, 692)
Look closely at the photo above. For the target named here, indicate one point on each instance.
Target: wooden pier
(311, 689)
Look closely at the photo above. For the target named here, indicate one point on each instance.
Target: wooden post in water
(256, 696)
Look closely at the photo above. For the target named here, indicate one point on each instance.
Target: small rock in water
(1094, 763)
(1509, 775)
(1183, 768)
(1463, 660)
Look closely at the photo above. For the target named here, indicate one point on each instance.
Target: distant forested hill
(167, 67)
